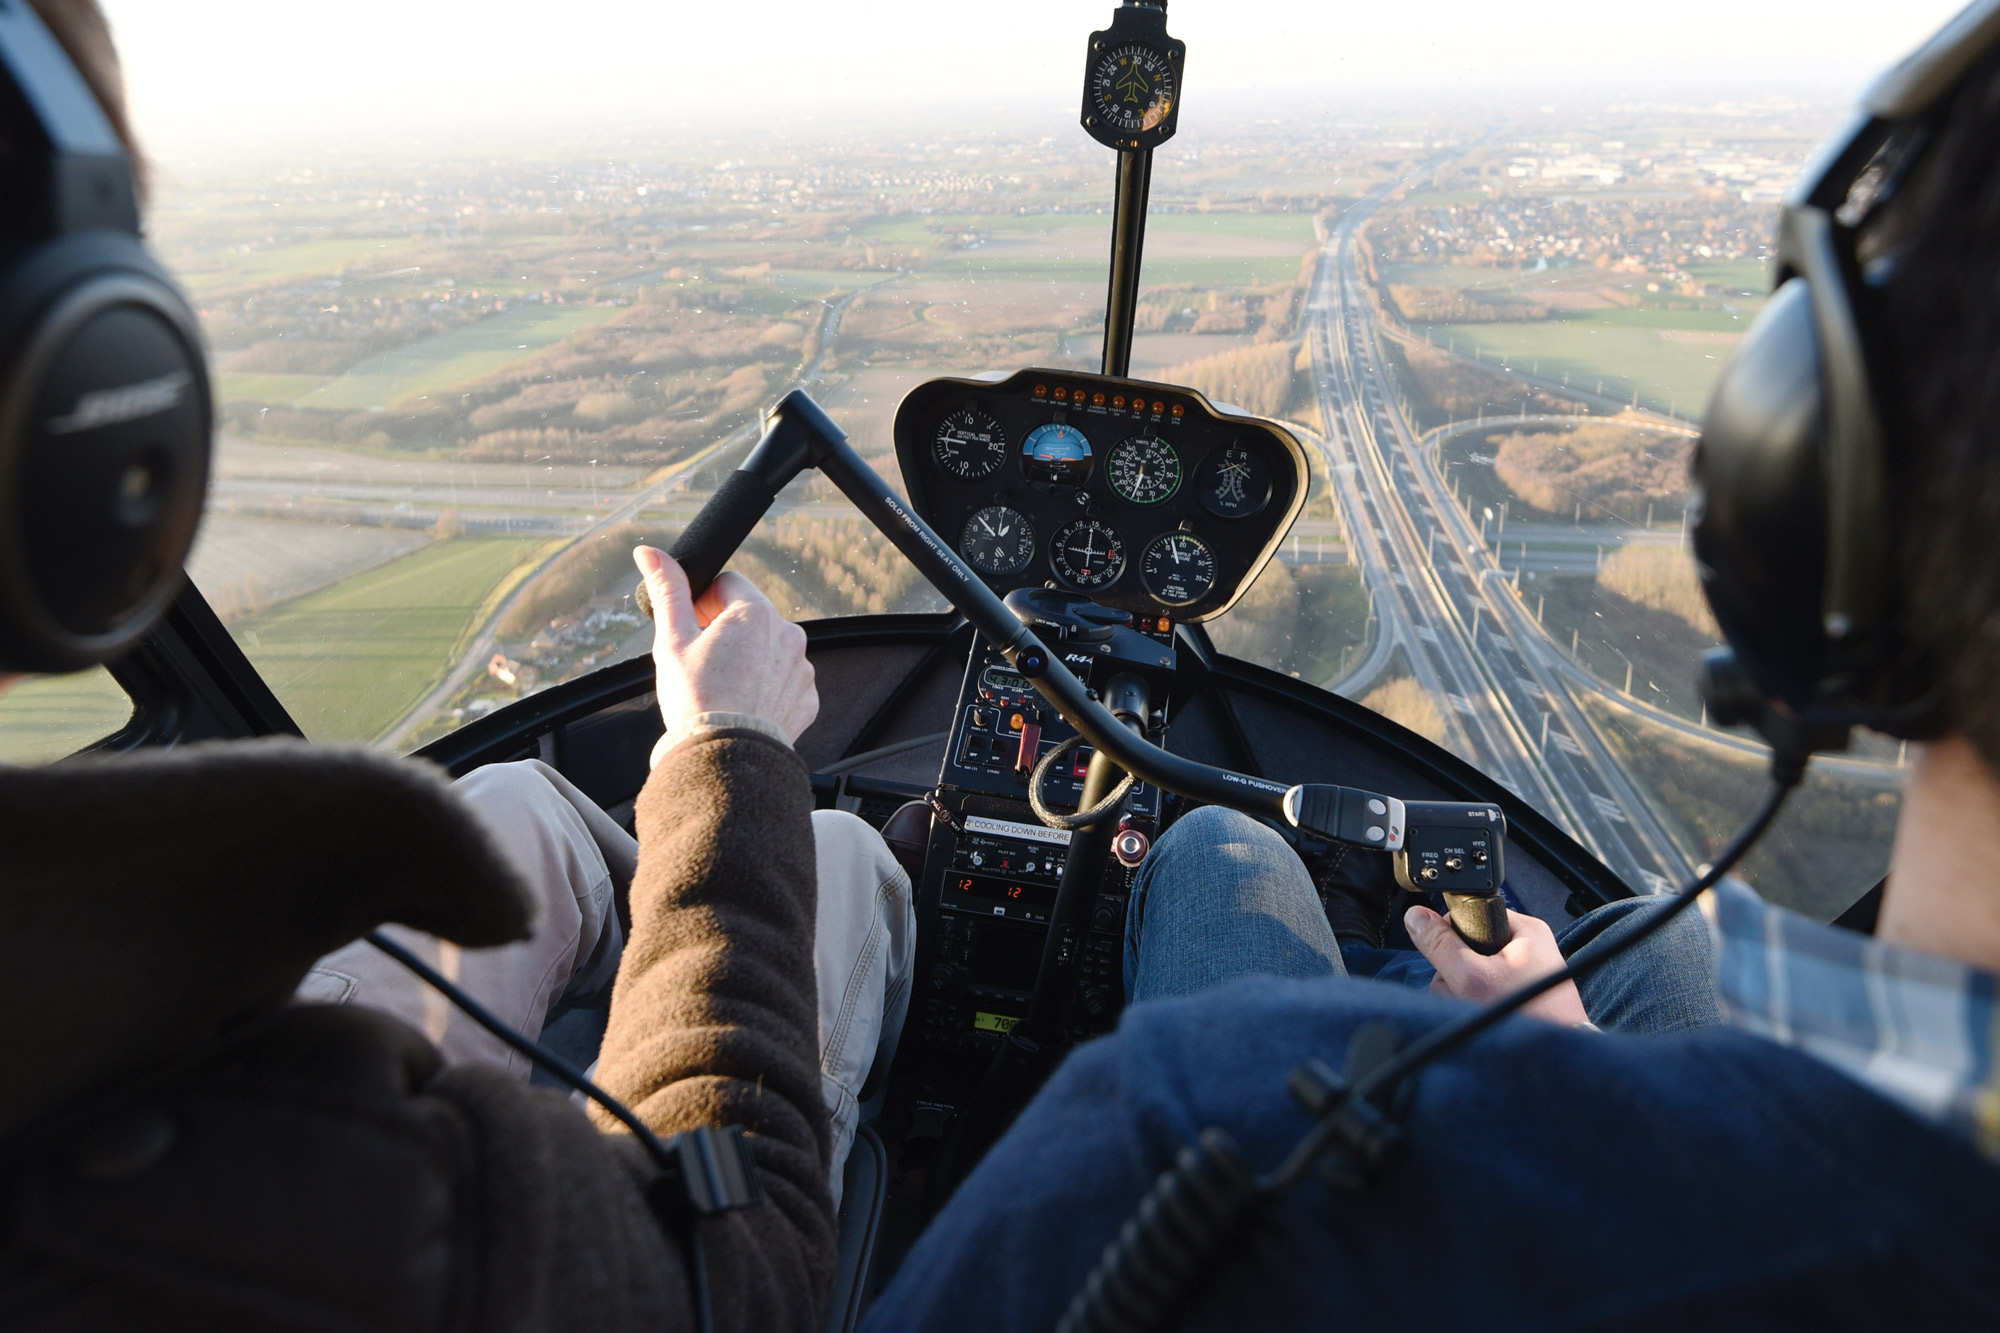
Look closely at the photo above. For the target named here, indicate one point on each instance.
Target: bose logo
(112, 407)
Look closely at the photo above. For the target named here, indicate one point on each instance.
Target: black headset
(105, 414)
(1794, 531)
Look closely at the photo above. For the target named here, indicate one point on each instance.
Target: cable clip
(1364, 1139)
(713, 1172)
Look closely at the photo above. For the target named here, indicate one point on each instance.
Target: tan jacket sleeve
(714, 1018)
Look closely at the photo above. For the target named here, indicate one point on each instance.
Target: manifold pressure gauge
(1178, 568)
(1132, 81)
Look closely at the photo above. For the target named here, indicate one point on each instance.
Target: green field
(306, 260)
(1629, 351)
(439, 362)
(350, 660)
(233, 388)
(51, 716)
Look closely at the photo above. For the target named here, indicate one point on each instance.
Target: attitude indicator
(1058, 454)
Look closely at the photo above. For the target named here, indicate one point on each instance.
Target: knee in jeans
(845, 839)
(1214, 825)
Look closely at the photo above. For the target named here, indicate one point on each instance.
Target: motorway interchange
(1443, 599)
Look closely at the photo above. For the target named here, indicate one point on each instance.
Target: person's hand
(1531, 955)
(728, 651)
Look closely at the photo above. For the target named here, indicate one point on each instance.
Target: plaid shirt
(1917, 1029)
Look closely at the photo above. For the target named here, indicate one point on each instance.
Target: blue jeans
(1223, 897)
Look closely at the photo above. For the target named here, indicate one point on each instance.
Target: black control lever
(799, 435)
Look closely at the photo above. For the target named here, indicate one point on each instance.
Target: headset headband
(1817, 241)
(88, 185)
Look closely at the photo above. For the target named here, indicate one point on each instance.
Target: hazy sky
(217, 67)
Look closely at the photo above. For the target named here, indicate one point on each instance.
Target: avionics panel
(1143, 496)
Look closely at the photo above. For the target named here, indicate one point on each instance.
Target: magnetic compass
(1132, 81)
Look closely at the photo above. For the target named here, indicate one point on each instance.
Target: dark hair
(85, 34)
(1940, 307)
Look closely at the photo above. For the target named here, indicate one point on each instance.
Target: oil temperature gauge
(969, 445)
(998, 541)
(1178, 568)
(1088, 554)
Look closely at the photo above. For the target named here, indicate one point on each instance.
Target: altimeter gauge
(969, 445)
(1234, 483)
(1132, 81)
(1178, 568)
(998, 541)
(1144, 470)
(1088, 554)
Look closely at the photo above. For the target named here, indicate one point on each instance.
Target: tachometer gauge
(1088, 554)
(1234, 483)
(1144, 470)
(998, 541)
(1056, 453)
(1178, 568)
(969, 445)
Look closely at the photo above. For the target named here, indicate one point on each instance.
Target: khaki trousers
(863, 949)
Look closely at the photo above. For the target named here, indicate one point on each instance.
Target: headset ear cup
(105, 428)
(1760, 498)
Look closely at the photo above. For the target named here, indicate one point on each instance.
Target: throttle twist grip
(706, 544)
(1481, 920)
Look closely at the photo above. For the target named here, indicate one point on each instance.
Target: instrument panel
(1146, 497)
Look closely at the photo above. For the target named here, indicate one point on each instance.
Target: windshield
(479, 323)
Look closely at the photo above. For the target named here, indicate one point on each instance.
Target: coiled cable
(1179, 1231)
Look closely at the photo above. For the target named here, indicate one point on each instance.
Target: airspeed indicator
(1178, 569)
(1144, 470)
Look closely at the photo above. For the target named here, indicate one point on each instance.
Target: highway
(1442, 598)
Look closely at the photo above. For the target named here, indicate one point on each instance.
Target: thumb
(1434, 937)
(667, 586)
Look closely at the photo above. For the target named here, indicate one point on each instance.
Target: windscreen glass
(489, 303)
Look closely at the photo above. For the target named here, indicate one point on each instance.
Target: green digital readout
(994, 1022)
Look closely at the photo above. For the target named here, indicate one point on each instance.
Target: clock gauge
(969, 445)
(1234, 483)
(1144, 470)
(998, 541)
(1178, 569)
(1088, 554)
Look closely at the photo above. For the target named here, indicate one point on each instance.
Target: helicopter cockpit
(1090, 529)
